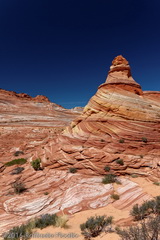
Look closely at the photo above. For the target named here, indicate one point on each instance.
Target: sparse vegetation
(102, 140)
(25, 231)
(46, 193)
(109, 178)
(157, 183)
(18, 187)
(144, 139)
(107, 168)
(18, 161)
(72, 170)
(46, 220)
(149, 227)
(141, 156)
(94, 226)
(120, 162)
(17, 170)
(134, 175)
(17, 153)
(22, 232)
(147, 208)
(115, 196)
(121, 140)
(36, 164)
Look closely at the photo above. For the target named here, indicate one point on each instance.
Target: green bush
(94, 226)
(18, 161)
(115, 196)
(107, 168)
(121, 140)
(18, 187)
(109, 178)
(46, 220)
(17, 170)
(134, 175)
(72, 170)
(120, 162)
(36, 164)
(144, 139)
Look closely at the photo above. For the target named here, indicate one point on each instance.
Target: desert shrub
(115, 196)
(102, 140)
(21, 232)
(120, 161)
(107, 168)
(147, 208)
(134, 175)
(72, 170)
(36, 164)
(144, 139)
(146, 230)
(17, 170)
(46, 220)
(109, 178)
(61, 221)
(121, 140)
(141, 156)
(94, 226)
(18, 161)
(17, 153)
(46, 193)
(157, 183)
(18, 187)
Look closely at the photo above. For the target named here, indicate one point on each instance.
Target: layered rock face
(27, 122)
(119, 122)
(119, 128)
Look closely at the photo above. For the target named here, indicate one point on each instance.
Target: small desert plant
(120, 162)
(109, 178)
(121, 140)
(134, 175)
(46, 193)
(36, 164)
(18, 161)
(61, 221)
(107, 168)
(102, 140)
(17, 170)
(115, 196)
(72, 170)
(157, 183)
(18, 187)
(141, 156)
(94, 226)
(144, 139)
(46, 220)
(17, 153)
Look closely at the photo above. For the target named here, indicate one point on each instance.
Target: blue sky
(63, 49)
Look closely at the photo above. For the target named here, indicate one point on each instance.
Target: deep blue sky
(63, 48)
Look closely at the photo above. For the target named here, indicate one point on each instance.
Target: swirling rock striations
(119, 122)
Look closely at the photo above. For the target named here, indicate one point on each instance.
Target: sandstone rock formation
(119, 122)
(27, 122)
(119, 128)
